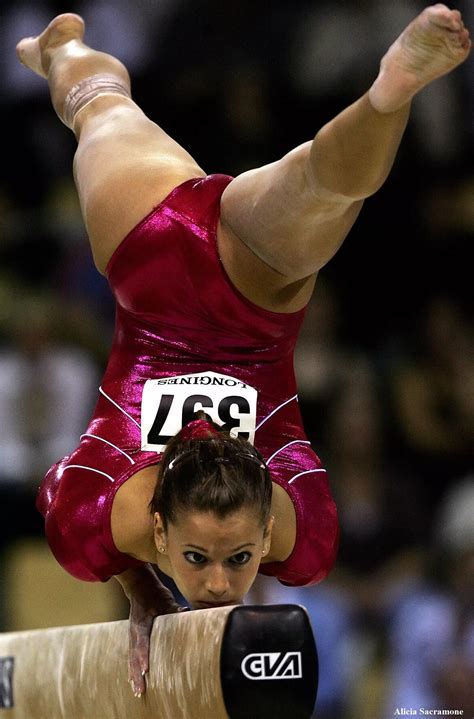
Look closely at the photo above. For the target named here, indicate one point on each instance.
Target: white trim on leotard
(95, 436)
(294, 441)
(276, 410)
(91, 469)
(119, 407)
(307, 471)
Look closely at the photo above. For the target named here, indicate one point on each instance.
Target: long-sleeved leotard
(185, 338)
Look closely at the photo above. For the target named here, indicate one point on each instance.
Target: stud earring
(161, 549)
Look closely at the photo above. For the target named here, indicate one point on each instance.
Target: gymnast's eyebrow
(232, 551)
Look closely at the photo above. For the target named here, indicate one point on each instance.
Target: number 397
(232, 412)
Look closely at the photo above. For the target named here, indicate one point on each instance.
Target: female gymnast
(211, 275)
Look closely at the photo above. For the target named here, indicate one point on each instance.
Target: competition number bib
(169, 403)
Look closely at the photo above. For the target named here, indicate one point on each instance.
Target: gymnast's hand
(149, 598)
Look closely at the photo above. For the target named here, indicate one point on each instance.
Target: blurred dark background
(385, 361)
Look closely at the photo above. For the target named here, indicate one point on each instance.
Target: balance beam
(238, 662)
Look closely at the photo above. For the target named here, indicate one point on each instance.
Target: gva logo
(272, 665)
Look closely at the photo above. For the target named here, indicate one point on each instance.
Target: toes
(448, 26)
(443, 17)
(466, 43)
(20, 47)
(27, 51)
(460, 39)
(457, 18)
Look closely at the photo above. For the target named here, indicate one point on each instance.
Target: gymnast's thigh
(124, 166)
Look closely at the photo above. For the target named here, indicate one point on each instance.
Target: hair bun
(198, 429)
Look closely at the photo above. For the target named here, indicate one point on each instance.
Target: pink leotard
(179, 314)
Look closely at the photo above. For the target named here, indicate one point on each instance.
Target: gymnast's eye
(240, 558)
(194, 557)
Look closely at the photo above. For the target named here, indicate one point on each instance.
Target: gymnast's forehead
(222, 529)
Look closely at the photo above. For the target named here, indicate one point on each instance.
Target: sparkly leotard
(179, 314)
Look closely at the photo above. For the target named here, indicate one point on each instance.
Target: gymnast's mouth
(214, 605)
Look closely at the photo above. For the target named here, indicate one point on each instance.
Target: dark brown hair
(217, 473)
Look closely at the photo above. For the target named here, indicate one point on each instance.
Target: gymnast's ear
(159, 532)
(267, 534)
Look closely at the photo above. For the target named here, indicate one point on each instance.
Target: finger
(139, 648)
(136, 677)
(138, 686)
(144, 662)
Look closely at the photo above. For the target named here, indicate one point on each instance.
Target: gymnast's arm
(148, 598)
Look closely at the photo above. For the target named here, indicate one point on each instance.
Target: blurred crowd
(385, 362)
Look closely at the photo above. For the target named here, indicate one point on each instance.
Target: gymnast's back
(185, 339)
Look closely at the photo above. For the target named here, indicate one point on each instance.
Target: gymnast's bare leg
(124, 164)
(283, 221)
(307, 202)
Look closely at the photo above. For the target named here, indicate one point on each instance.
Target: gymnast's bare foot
(431, 46)
(34, 52)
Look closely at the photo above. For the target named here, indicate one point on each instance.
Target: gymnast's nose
(217, 582)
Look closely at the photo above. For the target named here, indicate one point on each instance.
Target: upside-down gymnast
(211, 275)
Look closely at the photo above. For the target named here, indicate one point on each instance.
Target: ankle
(391, 92)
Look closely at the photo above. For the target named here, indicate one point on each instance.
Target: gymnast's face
(213, 561)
